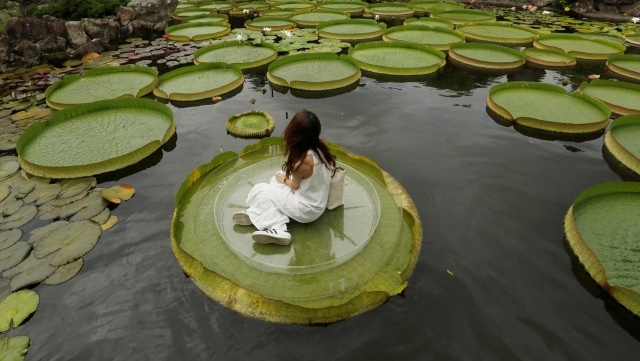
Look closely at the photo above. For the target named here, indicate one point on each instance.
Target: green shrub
(77, 9)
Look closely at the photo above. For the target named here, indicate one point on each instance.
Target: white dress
(272, 204)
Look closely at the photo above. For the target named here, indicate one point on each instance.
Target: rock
(93, 28)
(93, 46)
(126, 14)
(632, 9)
(26, 29)
(27, 49)
(59, 57)
(539, 3)
(54, 25)
(52, 44)
(153, 10)
(75, 34)
(5, 50)
(142, 29)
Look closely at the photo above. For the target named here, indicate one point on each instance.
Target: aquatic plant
(250, 124)
(313, 71)
(623, 142)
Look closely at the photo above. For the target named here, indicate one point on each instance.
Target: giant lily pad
(314, 71)
(14, 348)
(16, 307)
(432, 22)
(378, 231)
(521, 103)
(243, 54)
(489, 57)
(183, 14)
(209, 18)
(463, 16)
(397, 58)
(602, 227)
(423, 7)
(625, 66)
(197, 31)
(221, 7)
(253, 123)
(95, 138)
(200, 81)
(623, 98)
(100, 84)
(272, 23)
(437, 37)
(500, 33)
(390, 10)
(623, 141)
(353, 8)
(581, 47)
(352, 30)
(548, 58)
(69, 242)
(307, 19)
(294, 5)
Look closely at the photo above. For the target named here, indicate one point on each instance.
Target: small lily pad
(102, 217)
(8, 167)
(84, 208)
(16, 308)
(43, 193)
(13, 255)
(18, 219)
(9, 238)
(69, 242)
(112, 221)
(30, 271)
(14, 348)
(117, 194)
(38, 234)
(65, 273)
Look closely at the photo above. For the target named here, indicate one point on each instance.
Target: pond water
(495, 279)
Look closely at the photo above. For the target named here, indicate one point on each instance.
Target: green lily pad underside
(199, 81)
(603, 230)
(627, 65)
(521, 102)
(622, 97)
(95, 138)
(499, 33)
(579, 46)
(244, 55)
(438, 37)
(321, 71)
(623, 141)
(396, 58)
(100, 84)
(342, 264)
(549, 57)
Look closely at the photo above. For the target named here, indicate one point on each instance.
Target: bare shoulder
(305, 167)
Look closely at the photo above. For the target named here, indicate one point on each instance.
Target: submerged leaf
(17, 307)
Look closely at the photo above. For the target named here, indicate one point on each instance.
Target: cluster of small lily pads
(64, 220)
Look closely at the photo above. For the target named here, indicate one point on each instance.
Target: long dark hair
(301, 134)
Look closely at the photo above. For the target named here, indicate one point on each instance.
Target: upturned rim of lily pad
(463, 54)
(548, 58)
(583, 53)
(235, 127)
(463, 16)
(612, 93)
(304, 19)
(271, 22)
(377, 30)
(616, 64)
(353, 8)
(215, 90)
(442, 46)
(500, 34)
(630, 158)
(245, 300)
(221, 28)
(431, 22)
(304, 84)
(398, 47)
(238, 43)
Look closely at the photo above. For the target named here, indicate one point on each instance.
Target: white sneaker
(272, 236)
(242, 218)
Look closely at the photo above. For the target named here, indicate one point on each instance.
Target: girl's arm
(301, 171)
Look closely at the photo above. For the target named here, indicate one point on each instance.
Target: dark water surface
(495, 280)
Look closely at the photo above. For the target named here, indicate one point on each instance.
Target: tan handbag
(336, 189)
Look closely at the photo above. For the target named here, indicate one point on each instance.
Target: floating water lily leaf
(294, 289)
(623, 141)
(199, 81)
(9, 238)
(8, 166)
(85, 208)
(18, 219)
(491, 57)
(69, 242)
(432, 22)
(352, 30)
(16, 307)
(112, 221)
(519, 102)
(219, 6)
(43, 193)
(10, 206)
(312, 18)
(102, 217)
(623, 98)
(397, 58)
(64, 273)
(423, 7)
(314, 71)
(243, 54)
(389, 10)
(294, 5)
(272, 23)
(253, 123)
(633, 39)
(48, 211)
(189, 12)
(75, 186)
(208, 18)
(38, 234)
(579, 46)
(279, 13)
(500, 33)
(437, 37)
(13, 255)
(5, 191)
(197, 31)
(625, 66)
(353, 8)
(100, 84)
(548, 58)
(602, 227)
(463, 16)
(117, 194)
(95, 138)
(14, 348)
